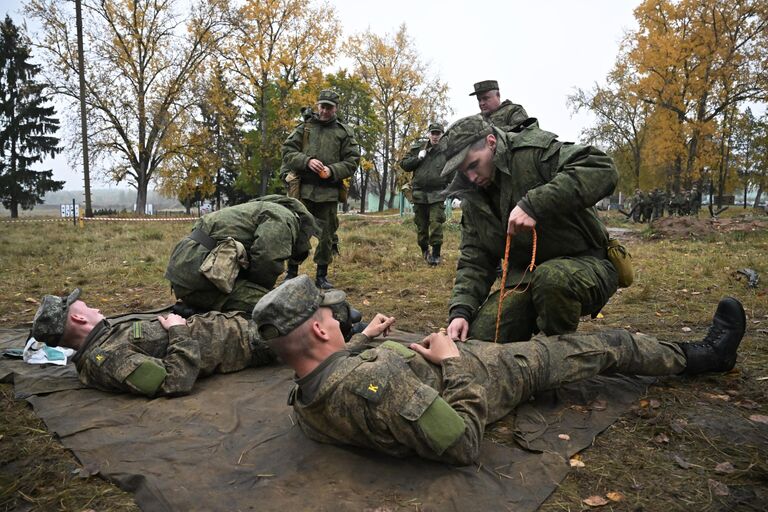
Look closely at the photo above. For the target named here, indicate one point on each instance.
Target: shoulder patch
(397, 347)
(372, 390)
(98, 356)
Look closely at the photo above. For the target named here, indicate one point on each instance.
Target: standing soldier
(637, 206)
(647, 207)
(426, 162)
(674, 204)
(657, 204)
(502, 114)
(694, 202)
(323, 152)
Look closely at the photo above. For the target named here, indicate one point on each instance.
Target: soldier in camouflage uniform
(503, 114)
(637, 206)
(426, 161)
(511, 183)
(658, 198)
(435, 398)
(323, 152)
(694, 202)
(272, 229)
(647, 207)
(144, 353)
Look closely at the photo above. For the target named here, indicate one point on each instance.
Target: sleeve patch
(136, 330)
(98, 356)
(442, 425)
(147, 378)
(372, 391)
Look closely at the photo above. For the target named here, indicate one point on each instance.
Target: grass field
(667, 454)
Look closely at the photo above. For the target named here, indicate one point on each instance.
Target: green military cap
(436, 127)
(289, 305)
(51, 318)
(484, 86)
(457, 140)
(328, 96)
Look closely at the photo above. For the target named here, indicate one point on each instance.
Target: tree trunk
(758, 195)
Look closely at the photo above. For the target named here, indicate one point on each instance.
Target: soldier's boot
(717, 351)
(293, 271)
(321, 278)
(425, 253)
(435, 259)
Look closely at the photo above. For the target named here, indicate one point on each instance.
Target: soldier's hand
(458, 329)
(519, 221)
(436, 347)
(422, 153)
(315, 165)
(171, 320)
(379, 325)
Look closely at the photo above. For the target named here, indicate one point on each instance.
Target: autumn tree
(27, 125)
(276, 46)
(698, 60)
(750, 152)
(405, 96)
(140, 56)
(621, 122)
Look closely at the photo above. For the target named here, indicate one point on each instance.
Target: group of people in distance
(649, 206)
(517, 183)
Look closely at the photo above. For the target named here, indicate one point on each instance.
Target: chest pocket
(439, 422)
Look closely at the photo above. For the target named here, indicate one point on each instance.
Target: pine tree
(26, 125)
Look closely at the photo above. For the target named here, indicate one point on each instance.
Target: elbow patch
(440, 423)
(147, 378)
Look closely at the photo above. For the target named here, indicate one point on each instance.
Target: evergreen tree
(26, 125)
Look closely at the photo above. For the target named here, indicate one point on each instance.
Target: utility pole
(83, 121)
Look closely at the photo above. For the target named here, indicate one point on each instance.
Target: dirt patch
(692, 227)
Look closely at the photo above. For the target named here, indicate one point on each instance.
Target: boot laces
(713, 334)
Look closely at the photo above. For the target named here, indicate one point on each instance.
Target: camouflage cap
(328, 97)
(484, 86)
(459, 138)
(51, 318)
(436, 127)
(289, 305)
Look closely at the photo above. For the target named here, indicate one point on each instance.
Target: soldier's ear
(319, 331)
(77, 319)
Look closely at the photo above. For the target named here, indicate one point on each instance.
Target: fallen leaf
(614, 496)
(661, 438)
(682, 462)
(747, 404)
(658, 313)
(725, 467)
(655, 404)
(564, 437)
(686, 329)
(30, 300)
(724, 398)
(599, 315)
(595, 501)
(366, 302)
(718, 488)
(678, 425)
(644, 403)
(576, 463)
(759, 418)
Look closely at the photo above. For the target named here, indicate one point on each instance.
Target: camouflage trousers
(514, 372)
(559, 293)
(243, 297)
(429, 220)
(325, 214)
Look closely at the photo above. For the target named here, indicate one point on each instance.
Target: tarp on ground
(233, 445)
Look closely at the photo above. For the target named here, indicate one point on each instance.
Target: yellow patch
(373, 388)
(99, 358)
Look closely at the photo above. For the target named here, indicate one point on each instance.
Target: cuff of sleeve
(460, 312)
(525, 205)
(176, 331)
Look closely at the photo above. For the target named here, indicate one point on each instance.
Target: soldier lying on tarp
(435, 398)
(152, 355)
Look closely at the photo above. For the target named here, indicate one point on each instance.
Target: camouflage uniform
(427, 187)
(392, 400)
(272, 228)
(334, 144)
(637, 206)
(658, 198)
(694, 202)
(134, 354)
(557, 184)
(508, 115)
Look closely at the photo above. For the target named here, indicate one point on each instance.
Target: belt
(203, 238)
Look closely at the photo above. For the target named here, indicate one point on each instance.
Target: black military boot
(293, 271)
(321, 278)
(425, 253)
(717, 351)
(435, 259)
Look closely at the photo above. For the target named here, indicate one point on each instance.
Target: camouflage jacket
(556, 183)
(427, 184)
(391, 399)
(134, 354)
(507, 116)
(334, 144)
(272, 228)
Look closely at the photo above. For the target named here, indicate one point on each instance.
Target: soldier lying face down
(154, 355)
(435, 398)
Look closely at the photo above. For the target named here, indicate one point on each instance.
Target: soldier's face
(478, 166)
(434, 137)
(489, 101)
(325, 111)
(92, 315)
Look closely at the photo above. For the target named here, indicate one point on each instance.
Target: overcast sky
(539, 52)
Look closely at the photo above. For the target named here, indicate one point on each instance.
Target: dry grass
(678, 282)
